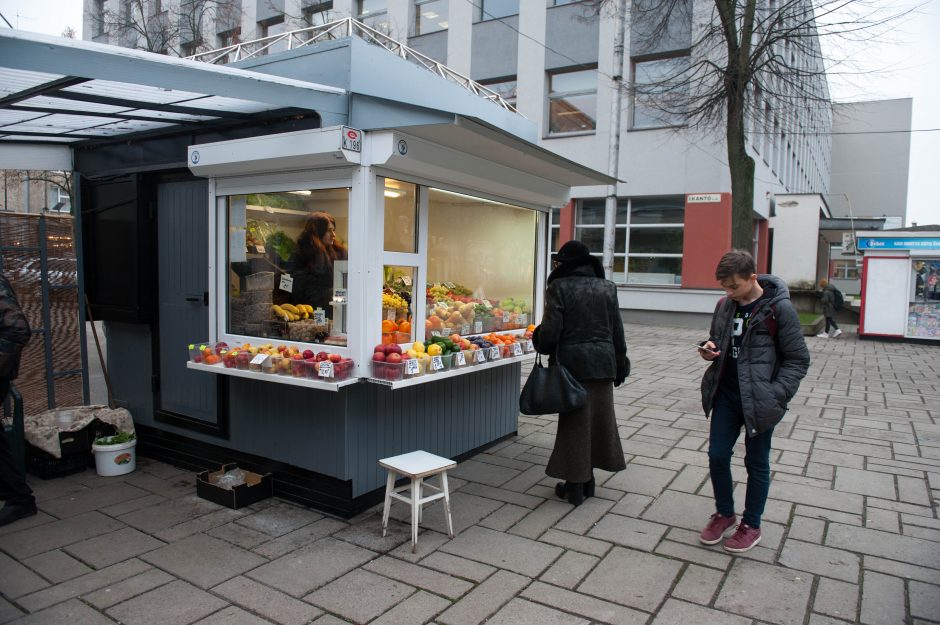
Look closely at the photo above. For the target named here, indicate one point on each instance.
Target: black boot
(14, 512)
(589, 488)
(572, 492)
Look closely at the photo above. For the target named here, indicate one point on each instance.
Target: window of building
(495, 9)
(648, 237)
(658, 99)
(318, 14)
(288, 248)
(230, 37)
(374, 13)
(572, 101)
(505, 87)
(269, 27)
(97, 17)
(845, 269)
(59, 200)
(554, 231)
(430, 16)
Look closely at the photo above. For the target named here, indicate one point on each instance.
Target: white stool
(416, 466)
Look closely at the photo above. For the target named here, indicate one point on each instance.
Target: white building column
(459, 36)
(530, 69)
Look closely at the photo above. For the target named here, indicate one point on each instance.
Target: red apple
(379, 349)
(335, 358)
(378, 357)
(394, 357)
(297, 357)
(321, 356)
(308, 353)
(393, 348)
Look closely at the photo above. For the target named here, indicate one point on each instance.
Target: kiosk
(900, 284)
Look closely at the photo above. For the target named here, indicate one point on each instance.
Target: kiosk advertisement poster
(923, 319)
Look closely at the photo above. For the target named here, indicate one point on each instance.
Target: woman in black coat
(582, 329)
(317, 249)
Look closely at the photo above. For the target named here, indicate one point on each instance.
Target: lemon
(434, 349)
(418, 347)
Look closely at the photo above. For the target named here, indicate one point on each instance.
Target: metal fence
(37, 255)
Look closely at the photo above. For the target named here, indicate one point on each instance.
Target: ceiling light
(300, 192)
(392, 193)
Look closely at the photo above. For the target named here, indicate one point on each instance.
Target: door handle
(192, 298)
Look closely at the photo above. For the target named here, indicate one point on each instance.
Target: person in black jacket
(14, 334)
(582, 329)
(312, 263)
(758, 357)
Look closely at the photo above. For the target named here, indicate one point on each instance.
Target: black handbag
(550, 390)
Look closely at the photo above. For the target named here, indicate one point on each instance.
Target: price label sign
(325, 369)
(523, 319)
(259, 249)
(465, 329)
(287, 283)
(477, 327)
(516, 349)
(435, 332)
(479, 356)
(319, 316)
(406, 280)
(487, 304)
(450, 285)
(437, 362)
(412, 366)
(259, 359)
(459, 359)
(339, 295)
(390, 314)
(494, 353)
(529, 347)
(506, 316)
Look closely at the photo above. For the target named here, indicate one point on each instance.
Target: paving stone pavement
(851, 531)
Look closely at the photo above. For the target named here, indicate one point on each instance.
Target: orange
(405, 326)
(388, 325)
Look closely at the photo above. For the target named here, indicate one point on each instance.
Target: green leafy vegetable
(117, 439)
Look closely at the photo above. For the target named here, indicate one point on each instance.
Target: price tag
(459, 359)
(529, 347)
(487, 304)
(339, 295)
(477, 327)
(494, 353)
(465, 329)
(259, 249)
(390, 314)
(319, 316)
(516, 349)
(523, 319)
(412, 366)
(406, 280)
(479, 356)
(450, 285)
(435, 332)
(325, 369)
(506, 316)
(287, 283)
(259, 359)
(437, 362)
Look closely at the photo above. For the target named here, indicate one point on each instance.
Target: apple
(297, 357)
(378, 356)
(335, 358)
(393, 348)
(394, 357)
(220, 347)
(380, 348)
(321, 356)
(308, 353)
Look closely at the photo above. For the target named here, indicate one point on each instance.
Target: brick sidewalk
(851, 531)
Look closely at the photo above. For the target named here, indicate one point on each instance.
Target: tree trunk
(741, 167)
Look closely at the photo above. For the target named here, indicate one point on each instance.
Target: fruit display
(290, 312)
(450, 308)
(279, 360)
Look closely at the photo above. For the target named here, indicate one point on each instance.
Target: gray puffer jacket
(582, 325)
(769, 370)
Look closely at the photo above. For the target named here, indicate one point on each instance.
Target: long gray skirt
(587, 438)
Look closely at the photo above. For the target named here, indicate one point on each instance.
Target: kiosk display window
(923, 318)
(480, 265)
(287, 265)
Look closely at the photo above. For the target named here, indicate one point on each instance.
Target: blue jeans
(726, 423)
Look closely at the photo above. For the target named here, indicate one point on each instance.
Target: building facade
(554, 61)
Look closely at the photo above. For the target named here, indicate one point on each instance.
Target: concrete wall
(871, 169)
(799, 254)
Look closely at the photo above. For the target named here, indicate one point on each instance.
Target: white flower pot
(115, 459)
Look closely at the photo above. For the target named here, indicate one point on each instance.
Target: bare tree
(743, 56)
(178, 28)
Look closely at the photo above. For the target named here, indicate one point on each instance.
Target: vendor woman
(317, 249)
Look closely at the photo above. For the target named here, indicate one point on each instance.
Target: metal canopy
(62, 91)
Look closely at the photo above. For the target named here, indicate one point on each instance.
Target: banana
(280, 313)
(290, 308)
(308, 308)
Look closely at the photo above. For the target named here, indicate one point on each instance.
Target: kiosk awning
(62, 92)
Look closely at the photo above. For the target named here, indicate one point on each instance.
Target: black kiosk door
(184, 397)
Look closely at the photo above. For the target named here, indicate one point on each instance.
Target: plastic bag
(229, 479)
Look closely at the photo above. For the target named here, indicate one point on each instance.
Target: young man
(14, 334)
(828, 297)
(758, 358)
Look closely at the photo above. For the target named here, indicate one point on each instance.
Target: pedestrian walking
(14, 334)
(582, 329)
(828, 298)
(758, 357)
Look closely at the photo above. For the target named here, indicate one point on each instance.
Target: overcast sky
(906, 66)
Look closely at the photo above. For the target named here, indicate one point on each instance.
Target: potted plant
(115, 455)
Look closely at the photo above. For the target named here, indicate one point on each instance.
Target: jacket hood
(775, 284)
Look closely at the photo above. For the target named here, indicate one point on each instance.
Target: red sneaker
(717, 526)
(744, 539)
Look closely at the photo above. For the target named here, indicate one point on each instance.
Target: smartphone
(704, 349)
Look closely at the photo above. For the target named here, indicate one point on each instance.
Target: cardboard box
(255, 488)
